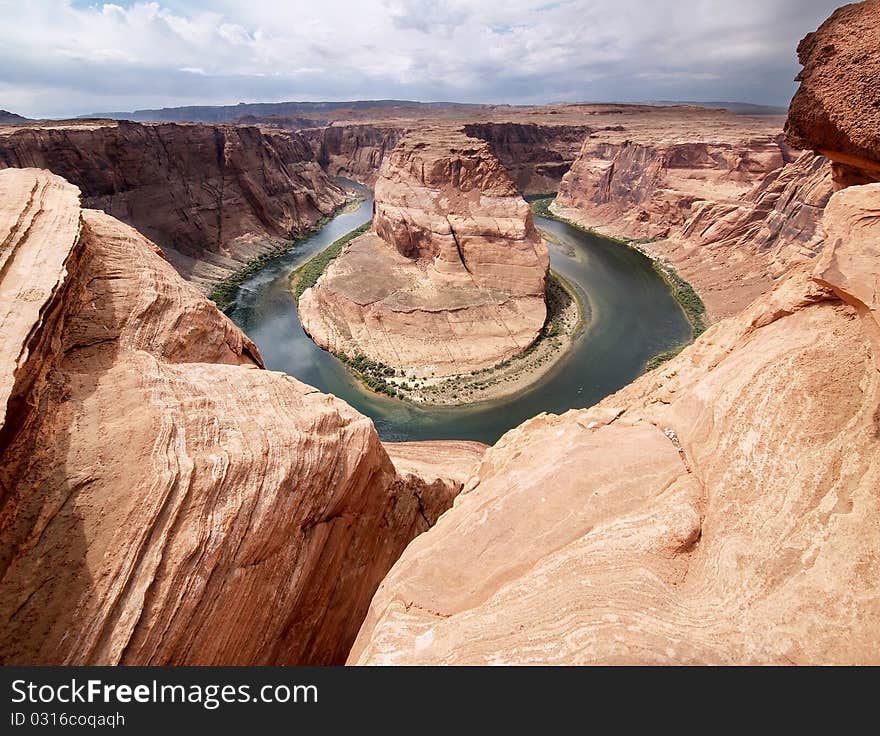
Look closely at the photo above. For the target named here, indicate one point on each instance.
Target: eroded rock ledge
(452, 277)
(164, 499)
(722, 509)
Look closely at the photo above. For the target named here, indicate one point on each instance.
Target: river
(632, 318)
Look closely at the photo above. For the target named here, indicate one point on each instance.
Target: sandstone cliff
(730, 216)
(536, 156)
(456, 268)
(644, 189)
(212, 196)
(164, 499)
(353, 150)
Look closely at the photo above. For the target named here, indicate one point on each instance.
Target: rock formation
(164, 499)
(646, 189)
(721, 509)
(730, 210)
(353, 150)
(456, 268)
(836, 110)
(211, 196)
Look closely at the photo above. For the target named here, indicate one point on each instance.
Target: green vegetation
(372, 373)
(223, 294)
(661, 358)
(541, 205)
(307, 275)
(683, 293)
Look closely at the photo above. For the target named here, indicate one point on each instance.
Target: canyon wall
(164, 499)
(730, 216)
(645, 189)
(352, 150)
(535, 156)
(721, 509)
(212, 196)
(457, 270)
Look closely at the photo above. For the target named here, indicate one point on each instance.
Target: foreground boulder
(164, 499)
(836, 110)
(451, 278)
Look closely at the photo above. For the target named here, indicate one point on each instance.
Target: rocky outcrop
(164, 499)
(536, 156)
(836, 110)
(729, 218)
(456, 268)
(212, 196)
(733, 252)
(722, 509)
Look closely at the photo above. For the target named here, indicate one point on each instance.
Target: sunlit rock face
(451, 278)
(722, 508)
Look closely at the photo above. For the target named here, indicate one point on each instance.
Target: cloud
(63, 57)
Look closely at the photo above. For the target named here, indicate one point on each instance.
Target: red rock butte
(452, 276)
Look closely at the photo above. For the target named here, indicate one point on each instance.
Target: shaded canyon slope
(721, 509)
(457, 270)
(165, 500)
(211, 196)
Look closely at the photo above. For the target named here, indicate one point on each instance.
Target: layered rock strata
(535, 156)
(729, 218)
(212, 196)
(451, 278)
(164, 499)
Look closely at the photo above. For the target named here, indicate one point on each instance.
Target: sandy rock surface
(722, 509)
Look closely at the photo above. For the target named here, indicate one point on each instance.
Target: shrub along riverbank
(307, 275)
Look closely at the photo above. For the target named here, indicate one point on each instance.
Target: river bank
(224, 292)
(682, 291)
(632, 317)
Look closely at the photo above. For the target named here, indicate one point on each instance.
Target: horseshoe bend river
(633, 317)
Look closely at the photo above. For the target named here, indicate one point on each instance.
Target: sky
(71, 57)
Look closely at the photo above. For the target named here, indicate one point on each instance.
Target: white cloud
(71, 56)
